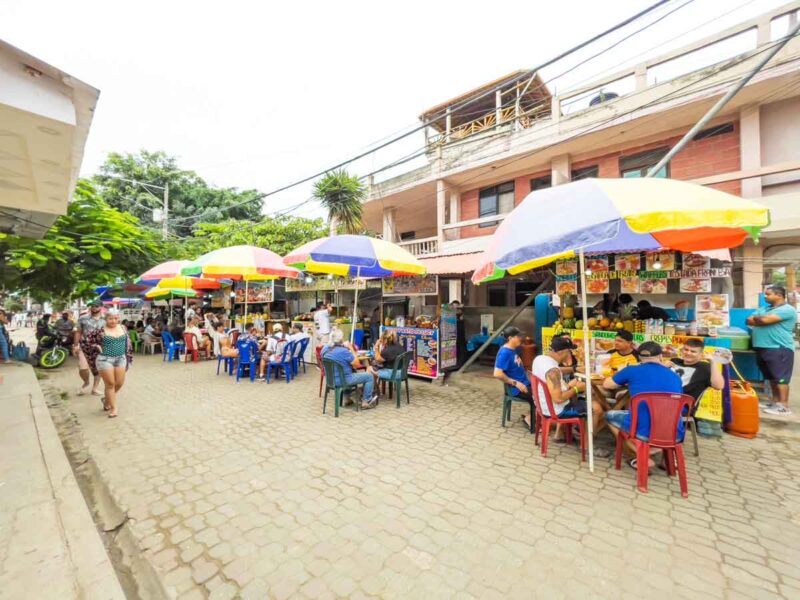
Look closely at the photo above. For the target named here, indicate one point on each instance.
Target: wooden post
(498, 107)
(448, 124)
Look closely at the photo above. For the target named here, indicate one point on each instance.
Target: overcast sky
(257, 94)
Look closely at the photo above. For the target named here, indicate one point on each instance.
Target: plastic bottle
(693, 328)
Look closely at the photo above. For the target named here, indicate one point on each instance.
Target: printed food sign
(418, 285)
(424, 345)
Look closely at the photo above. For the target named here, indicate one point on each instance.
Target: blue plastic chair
(286, 363)
(300, 355)
(229, 362)
(171, 348)
(247, 359)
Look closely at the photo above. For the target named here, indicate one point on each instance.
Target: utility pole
(165, 216)
(712, 112)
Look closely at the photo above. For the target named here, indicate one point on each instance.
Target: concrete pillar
(791, 284)
(389, 226)
(752, 274)
(640, 76)
(498, 106)
(441, 200)
(454, 290)
(455, 215)
(764, 32)
(448, 124)
(561, 169)
(750, 142)
(555, 109)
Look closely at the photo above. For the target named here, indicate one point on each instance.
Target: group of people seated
(386, 350)
(633, 371)
(269, 349)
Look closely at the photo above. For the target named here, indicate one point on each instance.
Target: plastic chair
(228, 362)
(286, 363)
(234, 337)
(170, 347)
(398, 375)
(150, 343)
(331, 369)
(136, 341)
(246, 359)
(543, 422)
(190, 342)
(299, 357)
(508, 399)
(666, 410)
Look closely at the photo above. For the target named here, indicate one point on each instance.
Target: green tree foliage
(191, 199)
(341, 194)
(280, 234)
(93, 244)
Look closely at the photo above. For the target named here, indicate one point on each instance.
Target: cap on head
(649, 349)
(277, 327)
(625, 335)
(560, 343)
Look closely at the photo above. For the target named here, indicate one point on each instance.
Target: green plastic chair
(332, 369)
(399, 375)
(136, 341)
(508, 399)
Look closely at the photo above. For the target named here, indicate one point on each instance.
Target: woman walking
(115, 355)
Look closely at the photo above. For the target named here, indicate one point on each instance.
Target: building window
(496, 200)
(496, 295)
(541, 183)
(638, 165)
(714, 131)
(585, 172)
(523, 289)
(408, 235)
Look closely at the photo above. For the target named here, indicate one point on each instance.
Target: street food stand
(432, 338)
(256, 299)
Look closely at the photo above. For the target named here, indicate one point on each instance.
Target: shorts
(775, 363)
(615, 418)
(83, 364)
(104, 362)
(574, 408)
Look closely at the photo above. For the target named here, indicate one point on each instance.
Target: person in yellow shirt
(624, 354)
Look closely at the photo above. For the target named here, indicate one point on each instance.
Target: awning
(454, 264)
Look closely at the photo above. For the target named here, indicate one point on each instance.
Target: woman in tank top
(115, 355)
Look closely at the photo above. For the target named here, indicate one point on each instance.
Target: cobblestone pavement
(247, 490)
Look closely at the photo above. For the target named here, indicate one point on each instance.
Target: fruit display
(600, 324)
(343, 321)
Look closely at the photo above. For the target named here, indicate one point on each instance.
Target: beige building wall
(780, 142)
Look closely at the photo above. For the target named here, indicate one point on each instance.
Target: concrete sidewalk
(49, 545)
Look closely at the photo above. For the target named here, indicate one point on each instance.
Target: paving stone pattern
(247, 491)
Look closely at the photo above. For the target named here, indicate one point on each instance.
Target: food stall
(428, 331)
(263, 310)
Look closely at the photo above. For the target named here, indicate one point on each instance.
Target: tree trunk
(333, 225)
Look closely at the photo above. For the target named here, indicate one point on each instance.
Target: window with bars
(496, 200)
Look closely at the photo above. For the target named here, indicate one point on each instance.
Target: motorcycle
(52, 350)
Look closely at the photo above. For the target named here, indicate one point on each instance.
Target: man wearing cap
(564, 396)
(648, 376)
(508, 369)
(80, 344)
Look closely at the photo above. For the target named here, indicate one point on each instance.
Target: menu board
(257, 291)
(629, 285)
(695, 261)
(627, 262)
(413, 285)
(659, 261)
(567, 267)
(712, 310)
(448, 338)
(424, 345)
(656, 285)
(566, 287)
(694, 285)
(322, 283)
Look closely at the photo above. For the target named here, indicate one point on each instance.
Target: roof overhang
(45, 115)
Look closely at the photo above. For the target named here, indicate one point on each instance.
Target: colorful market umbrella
(616, 215)
(247, 263)
(161, 292)
(356, 256)
(171, 268)
(189, 283)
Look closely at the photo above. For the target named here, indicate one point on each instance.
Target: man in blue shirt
(343, 354)
(648, 376)
(773, 341)
(508, 368)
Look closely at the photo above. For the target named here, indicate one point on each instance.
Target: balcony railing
(421, 247)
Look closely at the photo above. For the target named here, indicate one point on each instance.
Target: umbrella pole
(246, 298)
(355, 308)
(587, 366)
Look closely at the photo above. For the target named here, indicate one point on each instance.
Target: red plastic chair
(544, 422)
(189, 341)
(234, 337)
(665, 412)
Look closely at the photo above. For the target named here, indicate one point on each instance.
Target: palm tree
(341, 194)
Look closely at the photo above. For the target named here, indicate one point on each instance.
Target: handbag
(20, 352)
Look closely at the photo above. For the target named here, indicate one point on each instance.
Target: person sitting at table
(272, 348)
(648, 376)
(226, 348)
(508, 368)
(624, 352)
(565, 396)
(387, 349)
(569, 366)
(697, 374)
(152, 331)
(343, 353)
(201, 341)
(176, 331)
(250, 335)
